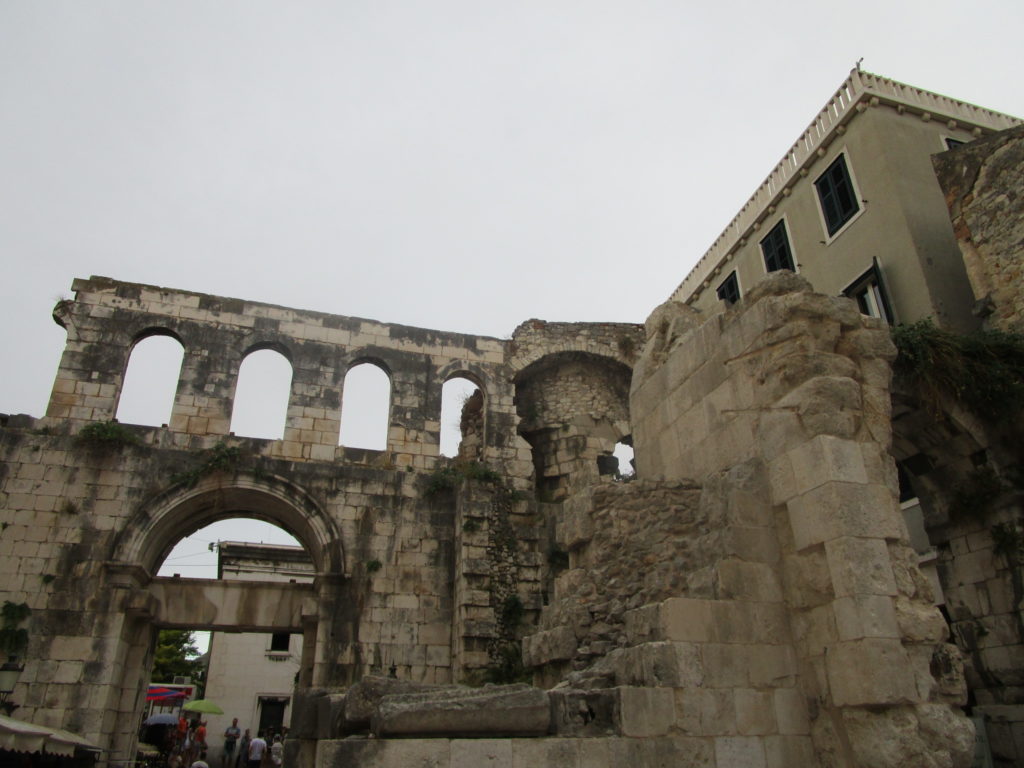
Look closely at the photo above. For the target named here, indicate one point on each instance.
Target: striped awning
(19, 736)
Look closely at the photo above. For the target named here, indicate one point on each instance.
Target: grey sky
(455, 165)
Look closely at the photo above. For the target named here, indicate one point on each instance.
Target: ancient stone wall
(810, 637)
(985, 194)
(405, 578)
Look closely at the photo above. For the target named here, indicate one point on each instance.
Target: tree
(176, 655)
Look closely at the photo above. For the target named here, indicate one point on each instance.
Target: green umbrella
(204, 706)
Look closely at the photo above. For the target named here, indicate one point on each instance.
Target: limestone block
(827, 458)
(836, 509)
(685, 619)
(791, 711)
(755, 712)
(644, 712)
(868, 672)
(789, 751)
(860, 566)
(557, 644)
(363, 698)
(771, 665)
(741, 580)
(896, 737)
(726, 665)
(532, 753)
(656, 664)
(739, 752)
(330, 714)
(866, 616)
(706, 711)
(473, 753)
(384, 753)
(494, 710)
(581, 713)
(830, 403)
(919, 622)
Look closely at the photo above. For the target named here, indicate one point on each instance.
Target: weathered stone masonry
(401, 580)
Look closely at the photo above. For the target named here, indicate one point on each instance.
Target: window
(775, 247)
(837, 196)
(279, 642)
(954, 143)
(729, 290)
(870, 295)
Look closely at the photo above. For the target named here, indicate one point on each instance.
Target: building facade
(855, 208)
(252, 675)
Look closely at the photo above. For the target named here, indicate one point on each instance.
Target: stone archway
(150, 603)
(158, 525)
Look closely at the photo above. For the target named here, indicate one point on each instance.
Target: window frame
(734, 276)
(863, 284)
(841, 157)
(783, 224)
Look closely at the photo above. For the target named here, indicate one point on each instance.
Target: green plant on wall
(13, 639)
(446, 479)
(105, 434)
(984, 371)
(220, 458)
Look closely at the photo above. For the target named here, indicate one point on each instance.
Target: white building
(251, 675)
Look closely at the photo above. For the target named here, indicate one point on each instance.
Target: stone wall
(809, 637)
(985, 195)
(403, 578)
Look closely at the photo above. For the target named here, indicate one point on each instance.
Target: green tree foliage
(176, 655)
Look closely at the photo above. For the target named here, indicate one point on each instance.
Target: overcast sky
(462, 166)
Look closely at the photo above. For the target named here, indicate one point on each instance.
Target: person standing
(277, 752)
(256, 749)
(231, 734)
(243, 750)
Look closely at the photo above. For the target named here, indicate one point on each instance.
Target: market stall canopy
(163, 693)
(19, 736)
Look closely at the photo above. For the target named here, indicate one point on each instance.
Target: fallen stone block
(363, 698)
(508, 710)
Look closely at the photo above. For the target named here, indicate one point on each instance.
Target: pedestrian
(256, 749)
(231, 734)
(243, 749)
(277, 752)
(201, 736)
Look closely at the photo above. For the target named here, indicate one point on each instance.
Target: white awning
(19, 736)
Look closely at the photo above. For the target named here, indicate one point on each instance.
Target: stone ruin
(750, 599)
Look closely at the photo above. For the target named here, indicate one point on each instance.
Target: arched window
(461, 415)
(261, 396)
(365, 408)
(151, 381)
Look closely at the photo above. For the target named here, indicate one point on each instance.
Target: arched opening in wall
(260, 407)
(151, 381)
(625, 468)
(573, 408)
(462, 419)
(249, 674)
(365, 408)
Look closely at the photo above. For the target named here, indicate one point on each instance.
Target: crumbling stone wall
(810, 639)
(985, 195)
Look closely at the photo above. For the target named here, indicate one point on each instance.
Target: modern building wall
(247, 670)
(886, 133)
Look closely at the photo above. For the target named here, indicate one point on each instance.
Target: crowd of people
(241, 749)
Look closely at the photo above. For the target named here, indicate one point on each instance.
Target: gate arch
(158, 525)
